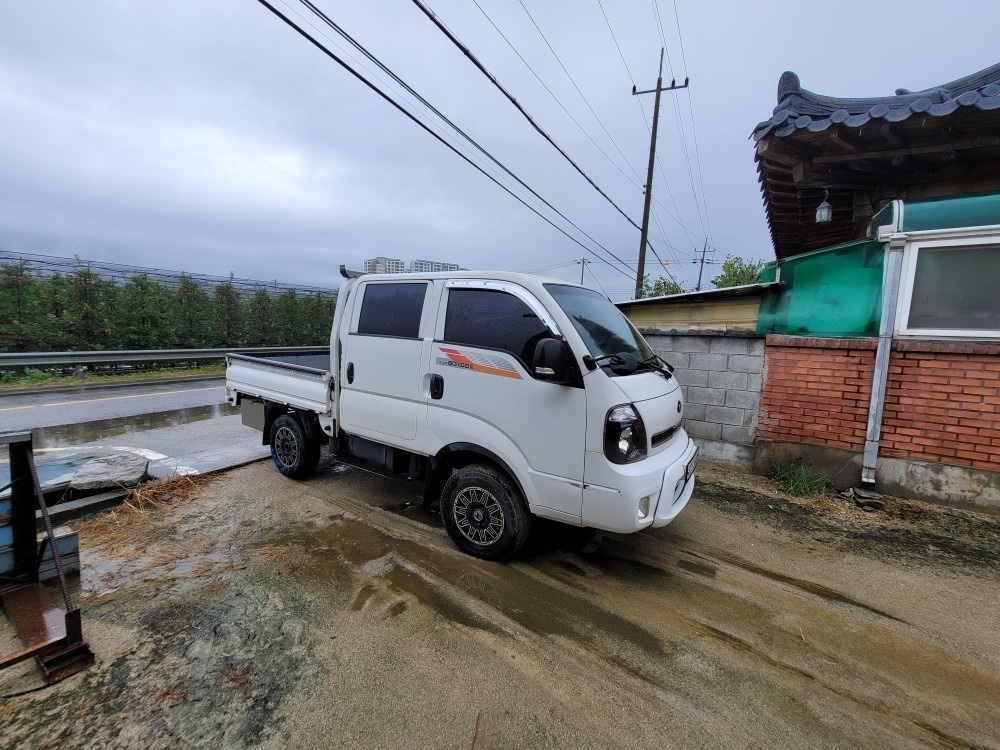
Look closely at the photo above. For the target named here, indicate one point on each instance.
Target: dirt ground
(253, 611)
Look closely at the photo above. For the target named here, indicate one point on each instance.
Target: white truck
(508, 396)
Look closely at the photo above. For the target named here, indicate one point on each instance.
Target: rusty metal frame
(52, 635)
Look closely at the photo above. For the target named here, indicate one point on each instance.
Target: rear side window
(493, 320)
(392, 310)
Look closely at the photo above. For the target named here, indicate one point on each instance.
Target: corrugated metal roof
(744, 290)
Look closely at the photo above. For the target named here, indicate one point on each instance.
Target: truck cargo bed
(293, 380)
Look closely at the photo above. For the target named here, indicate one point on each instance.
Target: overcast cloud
(207, 136)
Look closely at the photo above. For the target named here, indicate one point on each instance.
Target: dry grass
(116, 528)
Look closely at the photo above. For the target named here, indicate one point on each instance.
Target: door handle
(350, 372)
(437, 386)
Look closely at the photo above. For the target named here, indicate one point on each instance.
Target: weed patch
(799, 481)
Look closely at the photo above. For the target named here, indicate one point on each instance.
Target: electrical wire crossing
(360, 48)
(635, 181)
(333, 56)
(510, 97)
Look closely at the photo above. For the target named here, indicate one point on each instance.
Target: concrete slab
(118, 470)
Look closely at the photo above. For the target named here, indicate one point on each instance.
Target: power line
(472, 58)
(659, 25)
(358, 46)
(557, 101)
(423, 126)
(617, 46)
(571, 80)
(694, 131)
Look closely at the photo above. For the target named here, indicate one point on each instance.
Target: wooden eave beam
(785, 152)
(887, 154)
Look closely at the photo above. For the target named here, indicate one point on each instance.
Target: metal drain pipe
(890, 300)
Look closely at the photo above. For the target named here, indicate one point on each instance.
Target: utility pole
(583, 267)
(700, 270)
(643, 239)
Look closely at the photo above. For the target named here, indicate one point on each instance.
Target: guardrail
(77, 359)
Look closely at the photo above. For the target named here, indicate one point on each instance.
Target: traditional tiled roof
(799, 109)
(857, 154)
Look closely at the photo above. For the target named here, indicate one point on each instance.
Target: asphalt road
(53, 408)
(256, 611)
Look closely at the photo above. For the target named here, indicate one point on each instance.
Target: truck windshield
(601, 325)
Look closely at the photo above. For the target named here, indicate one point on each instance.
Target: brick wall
(721, 377)
(943, 403)
(817, 390)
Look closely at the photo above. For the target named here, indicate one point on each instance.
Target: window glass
(493, 320)
(956, 288)
(392, 309)
(601, 325)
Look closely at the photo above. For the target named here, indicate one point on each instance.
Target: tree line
(84, 311)
(736, 271)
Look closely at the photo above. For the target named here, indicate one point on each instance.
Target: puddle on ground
(817, 589)
(511, 589)
(55, 469)
(420, 513)
(697, 567)
(88, 432)
(51, 473)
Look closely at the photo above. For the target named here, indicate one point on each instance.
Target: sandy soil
(253, 611)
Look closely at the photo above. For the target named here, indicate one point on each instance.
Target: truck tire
(484, 513)
(293, 453)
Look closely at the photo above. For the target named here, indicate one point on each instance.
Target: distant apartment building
(432, 266)
(381, 264)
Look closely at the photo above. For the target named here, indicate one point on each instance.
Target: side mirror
(552, 361)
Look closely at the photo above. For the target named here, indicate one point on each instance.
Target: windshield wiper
(622, 363)
(658, 363)
(592, 362)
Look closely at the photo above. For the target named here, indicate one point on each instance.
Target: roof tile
(798, 108)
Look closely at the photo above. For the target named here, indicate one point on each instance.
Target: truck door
(380, 363)
(483, 391)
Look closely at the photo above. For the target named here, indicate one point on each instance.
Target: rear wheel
(295, 455)
(484, 513)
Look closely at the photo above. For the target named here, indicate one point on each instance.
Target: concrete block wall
(721, 376)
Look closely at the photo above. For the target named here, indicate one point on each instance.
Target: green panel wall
(951, 213)
(836, 291)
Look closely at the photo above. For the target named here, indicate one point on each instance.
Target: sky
(207, 136)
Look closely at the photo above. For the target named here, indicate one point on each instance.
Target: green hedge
(84, 311)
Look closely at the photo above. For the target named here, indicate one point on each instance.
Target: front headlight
(624, 435)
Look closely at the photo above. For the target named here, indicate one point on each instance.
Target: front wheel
(484, 513)
(293, 453)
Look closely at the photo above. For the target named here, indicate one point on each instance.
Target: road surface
(49, 409)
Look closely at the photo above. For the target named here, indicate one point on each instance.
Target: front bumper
(631, 497)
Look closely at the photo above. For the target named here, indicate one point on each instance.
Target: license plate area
(690, 466)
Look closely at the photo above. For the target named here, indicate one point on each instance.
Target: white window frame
(911, 253)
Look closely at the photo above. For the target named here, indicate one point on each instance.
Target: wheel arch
(457, 455)
(308, 421)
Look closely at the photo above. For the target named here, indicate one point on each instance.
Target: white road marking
(151, 455)
(108, 398)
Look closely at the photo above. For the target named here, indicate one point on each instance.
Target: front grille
(661, 437)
